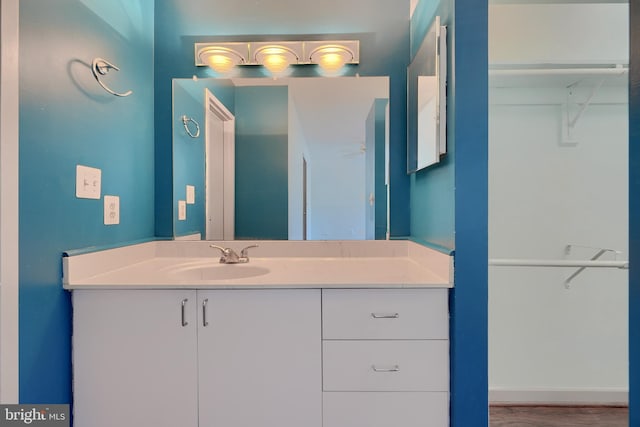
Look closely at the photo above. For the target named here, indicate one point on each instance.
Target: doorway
(558, 202)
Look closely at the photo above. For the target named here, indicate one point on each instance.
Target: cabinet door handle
(385, 315)
(184, 315)
(392, 368)
(205, 322)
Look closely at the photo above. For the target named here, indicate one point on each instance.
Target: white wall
(548, 343)
(544, 196)
(558, 33)
(337, 199)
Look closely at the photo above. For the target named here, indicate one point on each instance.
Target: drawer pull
(205, 322)
(184, 316)
(385, 315)
(392, 368)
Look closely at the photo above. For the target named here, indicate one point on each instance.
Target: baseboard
(607, 397)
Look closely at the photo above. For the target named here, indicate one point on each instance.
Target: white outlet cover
(111, 210)
(191, 194)
(182, 210)
(88, 182)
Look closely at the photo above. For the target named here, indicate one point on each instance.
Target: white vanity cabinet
(385, 358)
(134, 363)
(197, 358)
(259, 358)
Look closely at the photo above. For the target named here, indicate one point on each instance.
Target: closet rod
(511, 262)
(521, 72)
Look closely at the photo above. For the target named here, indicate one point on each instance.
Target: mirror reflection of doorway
(220, 169)
(304, 198)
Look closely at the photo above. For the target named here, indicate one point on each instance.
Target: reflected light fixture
(222, 59)
(277, 56)
(331, 58)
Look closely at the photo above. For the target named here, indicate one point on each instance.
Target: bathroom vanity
(314, 334)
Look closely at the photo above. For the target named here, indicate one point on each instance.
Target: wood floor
(558, 416)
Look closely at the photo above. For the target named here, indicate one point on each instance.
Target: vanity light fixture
(277, 56)
(222, 57)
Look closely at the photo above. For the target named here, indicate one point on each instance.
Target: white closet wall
(548, 343)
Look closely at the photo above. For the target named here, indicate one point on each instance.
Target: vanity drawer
(385, 314)
(385, 365)
(430, 409)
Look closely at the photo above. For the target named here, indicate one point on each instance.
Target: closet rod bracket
(599, 253)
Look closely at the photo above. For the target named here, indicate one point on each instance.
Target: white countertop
(274, 264)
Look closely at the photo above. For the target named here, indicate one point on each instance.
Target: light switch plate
(191, 194)
(88, 182)
(111, 210)
(182, 210)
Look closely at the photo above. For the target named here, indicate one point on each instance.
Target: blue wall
(383, 31)
(66, 119)
(188, 157)
(432, 207)
(262, 177)
(449, 201)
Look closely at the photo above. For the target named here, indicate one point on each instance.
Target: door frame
(9, 181)
(634, 213)
(214, 107)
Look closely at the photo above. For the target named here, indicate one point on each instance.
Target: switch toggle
(88, 182)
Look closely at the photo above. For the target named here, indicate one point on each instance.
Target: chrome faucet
(229, 256)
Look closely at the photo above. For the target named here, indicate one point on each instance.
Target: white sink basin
(213, 271)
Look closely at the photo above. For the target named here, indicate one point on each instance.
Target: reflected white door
(220, 167)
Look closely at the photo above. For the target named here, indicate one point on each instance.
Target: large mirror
(292, 158)
(426, 113)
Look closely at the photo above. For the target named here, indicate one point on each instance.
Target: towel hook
(185, 123)
(100, 67)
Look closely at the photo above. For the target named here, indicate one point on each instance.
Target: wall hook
(100, 67)
(185, 123)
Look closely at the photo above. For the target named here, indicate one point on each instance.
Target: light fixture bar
(276, 56)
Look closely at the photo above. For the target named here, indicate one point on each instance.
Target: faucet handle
(245, 251)
(224, 251)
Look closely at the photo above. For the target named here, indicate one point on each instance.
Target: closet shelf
(555, 75)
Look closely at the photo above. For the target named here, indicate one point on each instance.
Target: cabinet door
(134, 359)
(259, 358)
